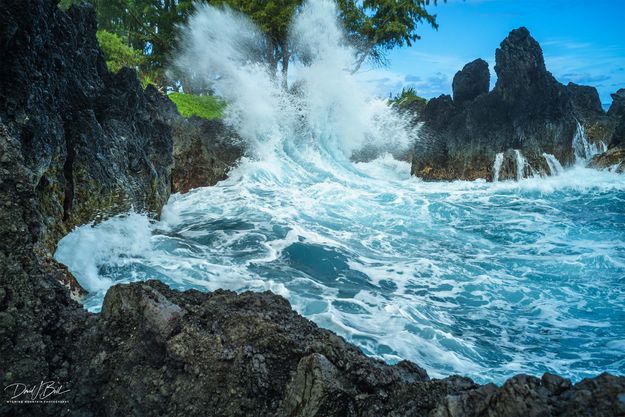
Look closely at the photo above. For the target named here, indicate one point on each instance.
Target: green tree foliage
(149, 26)
(376, 26)
(373, 26)
(117, 53)
(146, 25)
(273, 17)
(64, 4)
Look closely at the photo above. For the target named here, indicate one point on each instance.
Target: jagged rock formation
(472, 81)
(614, 158)
(91, 141)
(204, 152)
(152, 350)
(527, 111)
(585, 101)
(227, 354)
(617, 113)
(76, 144)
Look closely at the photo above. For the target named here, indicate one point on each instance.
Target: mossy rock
(613, 159)
(599, 132)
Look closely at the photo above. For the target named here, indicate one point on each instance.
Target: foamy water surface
(482, 279)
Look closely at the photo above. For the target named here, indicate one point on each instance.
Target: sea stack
(528, 113)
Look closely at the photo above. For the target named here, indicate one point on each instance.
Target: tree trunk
(271, 58)
(286, 56)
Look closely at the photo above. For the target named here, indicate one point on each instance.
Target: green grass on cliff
(206, 107)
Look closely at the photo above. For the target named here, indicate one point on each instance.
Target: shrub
(117, 53)
(407, 97)
(206, 107)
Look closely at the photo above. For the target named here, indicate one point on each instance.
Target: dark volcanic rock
(204, 152)
(585, 100)
(227, 354)
(473, 80)
(528, 110)
(152, 350)
(93, 142)
(527, 396)
(587, 108)
(76, 144)
(522, 78)
(614, 158)
(617, 114)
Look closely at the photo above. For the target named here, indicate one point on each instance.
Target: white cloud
(382, 80)
(566, 44)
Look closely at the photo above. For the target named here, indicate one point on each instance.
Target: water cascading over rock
(555, 167)
(512, 164)
(583, 149)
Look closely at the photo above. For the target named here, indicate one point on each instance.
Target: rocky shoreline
(521, 128)
(78, 144)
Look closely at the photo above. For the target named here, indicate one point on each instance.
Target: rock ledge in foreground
(224, 353)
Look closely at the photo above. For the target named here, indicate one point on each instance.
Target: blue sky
(583, 42)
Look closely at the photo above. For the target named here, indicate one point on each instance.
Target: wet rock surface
(228, 354)
(617, 113)
(91, 141)
(77, 144)
(153, 350)
(204, 152)
(614, 158)
(528, 110)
